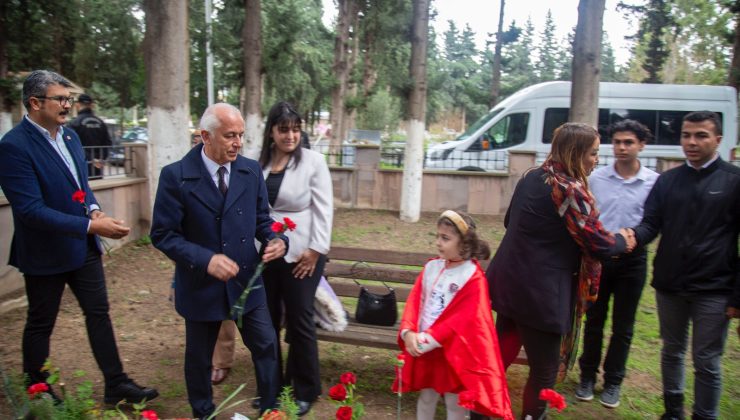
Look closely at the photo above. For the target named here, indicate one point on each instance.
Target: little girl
(447, 335)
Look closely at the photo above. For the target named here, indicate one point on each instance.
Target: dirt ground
(151, 335)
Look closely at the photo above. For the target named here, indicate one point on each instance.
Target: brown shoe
(219, 375)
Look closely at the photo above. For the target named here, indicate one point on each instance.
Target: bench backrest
(371, 267)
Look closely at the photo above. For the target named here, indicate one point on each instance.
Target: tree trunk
(584, 94)
(734, 73)
(167, 60)
(6, 99)
(346, 11)
(496, 81)
(352, 88)
(252, 54)
(413, 165)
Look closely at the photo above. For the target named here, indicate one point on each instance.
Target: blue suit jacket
(50, 234)
(192, 221)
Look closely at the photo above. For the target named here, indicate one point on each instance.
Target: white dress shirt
(212, 168)
(621, 201)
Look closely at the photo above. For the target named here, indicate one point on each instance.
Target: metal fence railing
(343, 155)
(108, 161)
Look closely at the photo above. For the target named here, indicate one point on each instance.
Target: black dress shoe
(256, 403)
(129, 391)
(303, 407)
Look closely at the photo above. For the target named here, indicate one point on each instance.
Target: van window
(555, 117)
(509, 131)
(664, 124)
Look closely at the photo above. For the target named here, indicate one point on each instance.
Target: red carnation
(79, 196)
(338, 392)
(554, 399)
(274, 415)
(277, 227)
(344, 413)
(289, 223)
(348, 378)
(149, 415)
(38, 388)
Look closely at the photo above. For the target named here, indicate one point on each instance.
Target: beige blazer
(307, 198)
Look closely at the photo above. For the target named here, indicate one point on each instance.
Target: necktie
(221, 181)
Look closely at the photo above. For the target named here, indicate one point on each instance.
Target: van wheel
(471, 169)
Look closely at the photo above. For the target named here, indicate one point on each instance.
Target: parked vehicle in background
(135, 135)
(526, 121)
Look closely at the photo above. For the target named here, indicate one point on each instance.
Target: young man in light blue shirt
(620, 191)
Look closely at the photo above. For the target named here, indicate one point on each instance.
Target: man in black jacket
(93, 134)
(696, 209)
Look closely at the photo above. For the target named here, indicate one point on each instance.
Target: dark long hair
(281, 114)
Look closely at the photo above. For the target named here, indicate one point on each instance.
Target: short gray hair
(210, 122)
(38, 82)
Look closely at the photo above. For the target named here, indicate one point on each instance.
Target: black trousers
(296, 296)
(624, 279)
(44, 294)
(543, 356)
(200, 340)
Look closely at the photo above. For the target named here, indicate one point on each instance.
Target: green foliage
(85, 40)
(548, 51)
(381, 112)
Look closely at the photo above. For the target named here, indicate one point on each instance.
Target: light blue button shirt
(620, 201)
(60, 147)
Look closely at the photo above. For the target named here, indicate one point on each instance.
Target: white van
(526, 121)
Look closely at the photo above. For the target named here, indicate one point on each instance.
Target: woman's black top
(273, 181)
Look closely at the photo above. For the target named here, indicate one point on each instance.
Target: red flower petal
(277, 227)
(338, 392)
(348, 378)
(344, 413)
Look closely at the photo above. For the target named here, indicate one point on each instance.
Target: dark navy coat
(192, 221)
(50, 228)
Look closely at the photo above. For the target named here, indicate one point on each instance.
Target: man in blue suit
(57, 221)
(210, 207)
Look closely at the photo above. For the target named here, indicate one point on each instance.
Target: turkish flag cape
(469, 361)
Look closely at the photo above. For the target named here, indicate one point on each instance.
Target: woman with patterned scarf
(546, 270)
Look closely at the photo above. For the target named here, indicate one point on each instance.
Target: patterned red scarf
(577, 207)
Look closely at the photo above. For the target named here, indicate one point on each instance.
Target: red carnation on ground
(149, 415)
(274, 415)
(338, 392)
(348, 378)
(554, 399)
(344, 413)
(38, 388)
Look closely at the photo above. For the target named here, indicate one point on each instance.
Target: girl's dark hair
(281, 114)
(471, 246)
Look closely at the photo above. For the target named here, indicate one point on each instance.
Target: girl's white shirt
(439, 287)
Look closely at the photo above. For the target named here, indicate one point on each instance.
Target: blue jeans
(709, 333)
(623, 278)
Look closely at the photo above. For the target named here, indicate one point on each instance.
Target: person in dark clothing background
(93, 134)
(696, 209)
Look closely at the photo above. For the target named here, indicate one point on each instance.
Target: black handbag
(376, 309)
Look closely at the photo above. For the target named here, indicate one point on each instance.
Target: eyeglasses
(63, 100)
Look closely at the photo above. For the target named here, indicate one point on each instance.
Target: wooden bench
(371, 267)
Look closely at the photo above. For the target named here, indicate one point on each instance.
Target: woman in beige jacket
(298, 187)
